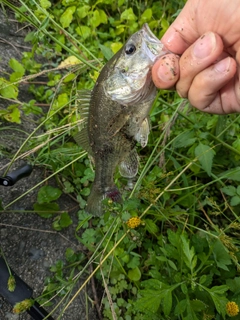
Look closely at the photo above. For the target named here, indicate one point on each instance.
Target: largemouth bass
(116, 113)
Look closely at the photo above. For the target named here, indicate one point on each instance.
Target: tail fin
(94, 202)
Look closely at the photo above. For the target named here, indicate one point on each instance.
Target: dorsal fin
(83, 101)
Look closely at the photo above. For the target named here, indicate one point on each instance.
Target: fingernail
(205, 45)
(223, 65)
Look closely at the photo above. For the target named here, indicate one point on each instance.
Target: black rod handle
(12, 177)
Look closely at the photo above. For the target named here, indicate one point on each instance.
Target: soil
(28, 241)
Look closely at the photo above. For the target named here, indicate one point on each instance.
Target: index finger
(182, 32)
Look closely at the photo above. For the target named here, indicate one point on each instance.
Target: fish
(116, 114)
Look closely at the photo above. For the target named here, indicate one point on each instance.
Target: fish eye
(130, 49)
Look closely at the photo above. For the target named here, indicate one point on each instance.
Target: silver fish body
(117, 119)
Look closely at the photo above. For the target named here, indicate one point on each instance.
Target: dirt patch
(27, 240)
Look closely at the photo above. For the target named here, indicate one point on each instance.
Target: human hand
(207, 72)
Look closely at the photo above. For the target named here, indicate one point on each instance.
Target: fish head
(130, 79)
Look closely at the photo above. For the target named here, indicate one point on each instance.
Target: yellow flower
(134, 222)
(232, 308)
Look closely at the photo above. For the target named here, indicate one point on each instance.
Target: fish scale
(115, 114)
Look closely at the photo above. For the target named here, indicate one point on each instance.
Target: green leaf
(128, 15)
(234, 284)
(205, 156)
(15, 76)
(85, 192)
(197, 305)
(184, 139)
(150, 300)
(221, 255)
(219, 289)
(146, 16)
(172, 265)
(134, 274)
(116, 46)
(236, 143)
(212, 122)
(31, 36)
(67, 3)
(46, 210)
(95, 19)
(65, 220)
(151, 226)
(8, 90)
(83, 31)
(229, 190)
(203, 279)
(235, 201)
(164, 25)
(167, 302)
(45, 4)
(82, 12)
(180, 307)
(67, 16)
(89, 236)
(69, 77)
(152, 284)
(174, 238)
(102, 16)
(232, 174)
(134, 262)
(62, 100)
(188, 252)
(162, 258)
(219, 300)
(83, 218)
(17, 66)
(191, 315)
(47, 194)
(184, 288)
(13, 115)
(120, 2)
(107, 52)
(70, 255)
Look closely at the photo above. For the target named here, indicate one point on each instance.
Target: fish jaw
(154, 47)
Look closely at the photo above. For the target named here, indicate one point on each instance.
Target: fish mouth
(149, 35)
(155, 46)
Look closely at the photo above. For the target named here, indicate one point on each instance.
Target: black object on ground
(11, 178)
(21, 292)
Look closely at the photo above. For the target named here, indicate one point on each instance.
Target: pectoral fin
(118, 122)
(142, 135)
(129, 167)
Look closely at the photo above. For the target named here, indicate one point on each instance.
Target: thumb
(165, 71)
(182, 32)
